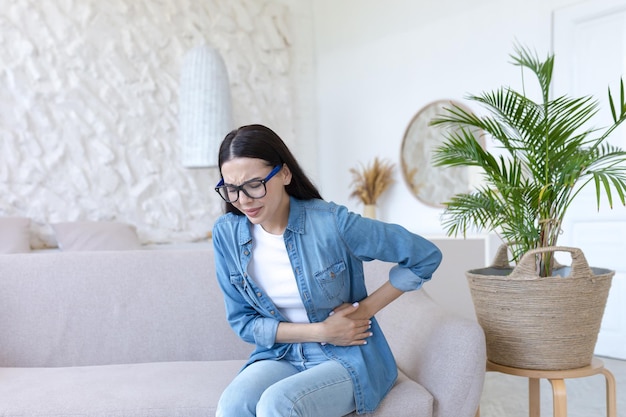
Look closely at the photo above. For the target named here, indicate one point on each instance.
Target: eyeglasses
(253, 188)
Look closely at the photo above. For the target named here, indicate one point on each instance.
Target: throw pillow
(14, 234)
(95, 236)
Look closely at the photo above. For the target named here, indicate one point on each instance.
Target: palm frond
(526, 58)
(475, 211)
(622, 104)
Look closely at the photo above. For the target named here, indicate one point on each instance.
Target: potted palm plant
(546, 155)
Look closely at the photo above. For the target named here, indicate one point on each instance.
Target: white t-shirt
(271, 269)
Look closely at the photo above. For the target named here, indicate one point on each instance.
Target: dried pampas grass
(371, 181)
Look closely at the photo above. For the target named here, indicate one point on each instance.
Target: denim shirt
(326, 245)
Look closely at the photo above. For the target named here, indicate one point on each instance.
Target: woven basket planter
(547, 323)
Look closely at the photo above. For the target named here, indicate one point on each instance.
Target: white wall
(88, 90)
(378, 63)
(89, 101)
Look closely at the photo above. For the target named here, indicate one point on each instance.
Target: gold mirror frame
(432, 185)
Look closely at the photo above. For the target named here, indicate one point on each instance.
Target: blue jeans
(302, 384)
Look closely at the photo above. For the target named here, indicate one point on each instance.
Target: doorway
(589, 42)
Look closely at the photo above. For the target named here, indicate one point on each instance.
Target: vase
(369, 210)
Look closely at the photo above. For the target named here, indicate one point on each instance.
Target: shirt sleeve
(417, 258)
(265, 331)
(248, 323)
(405, 280)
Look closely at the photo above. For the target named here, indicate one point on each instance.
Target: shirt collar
(295, 223)
(297, 216)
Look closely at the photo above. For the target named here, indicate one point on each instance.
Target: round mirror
(430, 184)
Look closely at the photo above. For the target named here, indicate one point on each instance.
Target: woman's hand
(344, 327)
(347, 325)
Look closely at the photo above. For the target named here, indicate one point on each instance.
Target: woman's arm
(348, 325)
(340, 329)
(376, 301)
(416, 257)
(373, 303)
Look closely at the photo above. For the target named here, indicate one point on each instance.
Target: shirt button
(246, 252)
(272, 312)
(332, 275)
(258, 294)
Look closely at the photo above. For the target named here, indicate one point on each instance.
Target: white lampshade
(205, 110)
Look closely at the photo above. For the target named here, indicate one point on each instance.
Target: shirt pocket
(332, 280)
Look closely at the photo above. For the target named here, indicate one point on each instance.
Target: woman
(290, 268)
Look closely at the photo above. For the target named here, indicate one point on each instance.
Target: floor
(507, 396)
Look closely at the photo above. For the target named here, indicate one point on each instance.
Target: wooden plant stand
(557, 380)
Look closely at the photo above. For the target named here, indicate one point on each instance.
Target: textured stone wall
(89, 101)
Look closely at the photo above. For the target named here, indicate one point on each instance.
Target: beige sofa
(143, 333)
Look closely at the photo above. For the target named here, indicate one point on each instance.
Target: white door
(590, 56)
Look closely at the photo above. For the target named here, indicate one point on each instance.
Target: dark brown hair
(261, 142)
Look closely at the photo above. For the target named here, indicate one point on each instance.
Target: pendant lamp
(205, 108)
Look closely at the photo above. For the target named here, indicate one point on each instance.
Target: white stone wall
(89, 100)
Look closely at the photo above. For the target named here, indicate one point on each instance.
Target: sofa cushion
(158, 389)
(90, 236)
(14, 234)
(407, 398)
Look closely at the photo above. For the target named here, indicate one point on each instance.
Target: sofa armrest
(443, 352)
(451, 364)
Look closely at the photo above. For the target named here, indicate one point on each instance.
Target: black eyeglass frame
(221, 185)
